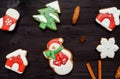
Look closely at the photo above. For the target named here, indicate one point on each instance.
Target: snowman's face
(54, 46)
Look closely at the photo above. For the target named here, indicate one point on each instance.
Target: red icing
(61, 58)
(7, 22)
(101, 17)
(55, 40)
(18, 60)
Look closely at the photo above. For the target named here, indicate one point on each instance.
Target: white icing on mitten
(8, 22)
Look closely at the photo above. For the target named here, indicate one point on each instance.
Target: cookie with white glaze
(17, 61)
(107, 48)
(60, 59)
(9, 20)
(108, 18)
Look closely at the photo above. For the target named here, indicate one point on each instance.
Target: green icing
(50, 20)
(51, 53)
(42, 25)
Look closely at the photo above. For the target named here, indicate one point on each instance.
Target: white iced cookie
(107, 48)
(108, 18)
(17, 61)
(60, 59)
(9, 20)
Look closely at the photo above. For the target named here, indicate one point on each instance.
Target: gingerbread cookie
(107, 48)
(48, 16)
(8, 22)
(108, 18)
(17, 61)
(60, 59)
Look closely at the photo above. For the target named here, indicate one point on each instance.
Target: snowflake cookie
(107, 48)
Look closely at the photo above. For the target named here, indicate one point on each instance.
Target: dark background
(28, 36)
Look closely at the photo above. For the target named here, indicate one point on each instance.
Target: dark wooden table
(27, 35)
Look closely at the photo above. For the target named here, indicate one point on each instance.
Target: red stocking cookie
(60, 59)
(108, 18)
(16, 61)
(8, 22)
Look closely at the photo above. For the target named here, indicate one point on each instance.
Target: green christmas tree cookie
(48, 16)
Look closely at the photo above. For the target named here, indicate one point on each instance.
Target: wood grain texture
(27, 35)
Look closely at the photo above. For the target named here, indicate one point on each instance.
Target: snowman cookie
(8, 22)
(108, 18)
(60, 59)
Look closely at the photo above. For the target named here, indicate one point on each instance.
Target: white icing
(44, 54)
(114, 11)
(1, 22)
(63, 69)
(54, 5)
(54, 46)
(22, 54)
(41, 18)
(55, 17)
(67, 53)
(13, 69)
(106, 10)
(61, 40)
(107, 48)
(12, 27)
(105, 23)
(13, 13)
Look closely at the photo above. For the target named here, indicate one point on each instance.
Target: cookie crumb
(82, 39)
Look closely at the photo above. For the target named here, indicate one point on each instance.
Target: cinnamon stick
(90, 71)
(99, 69)
(117, 75)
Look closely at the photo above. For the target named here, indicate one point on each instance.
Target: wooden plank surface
(28, 36)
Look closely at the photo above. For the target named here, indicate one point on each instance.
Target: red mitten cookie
(8, 22)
